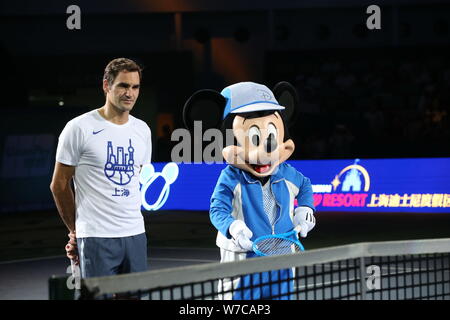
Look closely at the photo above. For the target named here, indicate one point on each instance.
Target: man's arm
(63, 194)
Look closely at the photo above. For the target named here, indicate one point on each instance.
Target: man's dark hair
(120, 64)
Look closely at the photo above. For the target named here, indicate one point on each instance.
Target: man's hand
(72, 249)
(304, 218)
(241, 235)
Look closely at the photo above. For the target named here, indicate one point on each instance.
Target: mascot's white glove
(241, 235)
(304, 218)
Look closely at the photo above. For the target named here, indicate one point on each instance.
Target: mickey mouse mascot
(255, 193)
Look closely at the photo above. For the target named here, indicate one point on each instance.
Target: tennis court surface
(396, 270)
(28, 279)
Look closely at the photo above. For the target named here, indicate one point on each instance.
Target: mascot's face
(258, 123)
(260, 144)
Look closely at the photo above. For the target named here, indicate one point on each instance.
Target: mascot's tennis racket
(278, 244)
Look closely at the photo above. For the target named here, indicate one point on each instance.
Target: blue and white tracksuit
(239, 196)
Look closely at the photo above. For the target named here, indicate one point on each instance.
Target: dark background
(364, 94)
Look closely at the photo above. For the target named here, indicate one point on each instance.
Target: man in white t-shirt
(102, 151)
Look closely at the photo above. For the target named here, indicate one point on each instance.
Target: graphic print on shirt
(119, 167)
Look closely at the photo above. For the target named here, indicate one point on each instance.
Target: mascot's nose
(271, 143)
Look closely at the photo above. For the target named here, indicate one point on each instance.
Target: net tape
(351, 259)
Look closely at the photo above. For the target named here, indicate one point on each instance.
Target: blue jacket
(238, 195)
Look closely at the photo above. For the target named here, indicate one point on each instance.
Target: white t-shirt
(107, 158)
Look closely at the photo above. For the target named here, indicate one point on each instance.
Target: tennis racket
(75, 269)
(278, 244)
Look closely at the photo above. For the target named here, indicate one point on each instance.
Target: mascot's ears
(208, 106)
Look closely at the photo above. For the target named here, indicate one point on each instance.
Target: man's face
(123, 93)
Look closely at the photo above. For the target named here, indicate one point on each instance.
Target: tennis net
(397, 270)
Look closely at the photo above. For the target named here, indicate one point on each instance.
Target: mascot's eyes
(272, 132)
(271, 142)
(254, 135)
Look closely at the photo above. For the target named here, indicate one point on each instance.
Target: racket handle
(297, 229)
(73, 267)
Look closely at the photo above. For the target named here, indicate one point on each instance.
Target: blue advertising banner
(360, 185)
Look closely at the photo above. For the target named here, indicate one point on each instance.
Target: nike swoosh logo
(95, 132)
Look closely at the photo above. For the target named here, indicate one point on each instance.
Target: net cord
(198, 273)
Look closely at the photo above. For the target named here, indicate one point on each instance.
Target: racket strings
(277, 246)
